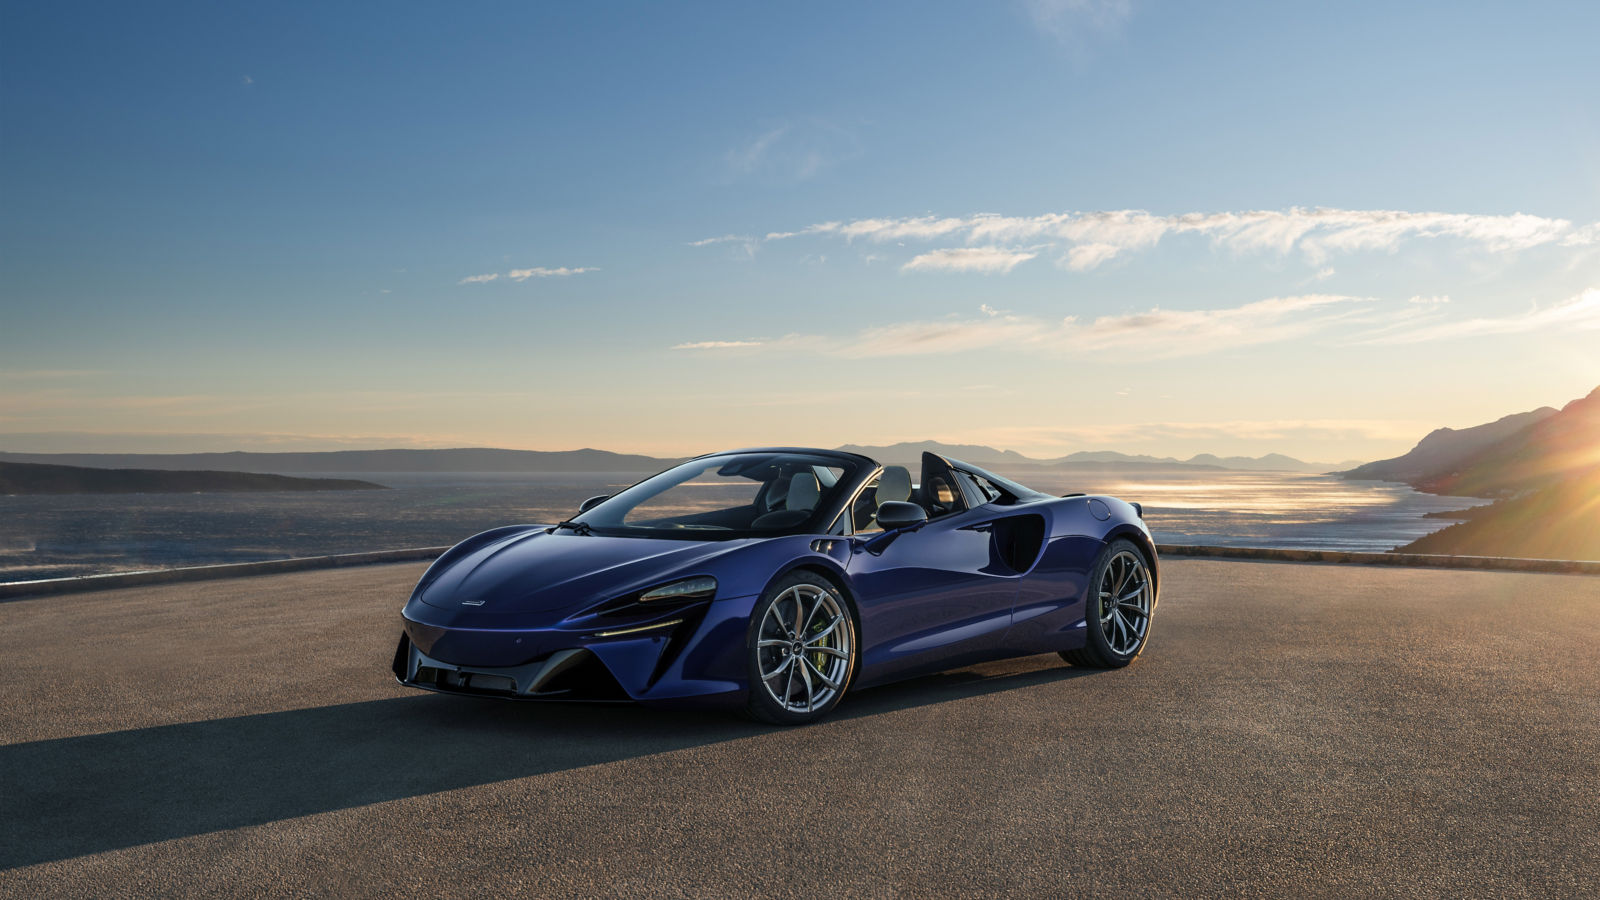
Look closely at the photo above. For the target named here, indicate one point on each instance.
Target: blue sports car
(776, 580)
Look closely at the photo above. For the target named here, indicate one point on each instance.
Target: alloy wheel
(1125, 601)
(804, 648)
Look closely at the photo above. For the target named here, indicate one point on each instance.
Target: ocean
(54, 536)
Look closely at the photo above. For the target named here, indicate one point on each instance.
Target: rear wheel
(802, 649)
(1121, 598)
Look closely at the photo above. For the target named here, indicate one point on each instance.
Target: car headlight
(687, 589)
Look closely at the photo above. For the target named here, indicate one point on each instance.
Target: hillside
(1445, 448)
(30, 478)
(1547, 475)
(1553, 450)
(1554, 523)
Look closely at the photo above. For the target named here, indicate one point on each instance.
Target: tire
(1116, 634)
(789, 687)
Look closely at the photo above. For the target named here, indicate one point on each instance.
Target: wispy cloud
(1580, 312)
(543, 272)
(793, 150)
(1090, 239)
(969, 259)
(525, 274)
(1582, 237)
(715, 345)
(1148, 334)
(749, 156)
(1086, 256)
(1073, 21)
(744, 242)
(1430, 301)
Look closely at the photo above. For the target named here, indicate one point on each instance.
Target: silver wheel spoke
(821, 677)
(822, 660)
(832, 624)
(812, 615)
(811, 690)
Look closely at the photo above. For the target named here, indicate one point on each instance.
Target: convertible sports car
(776, 580)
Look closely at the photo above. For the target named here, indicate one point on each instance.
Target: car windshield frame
(609, 518)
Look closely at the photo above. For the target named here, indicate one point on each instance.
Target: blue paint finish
(945, 594)
(931, 591)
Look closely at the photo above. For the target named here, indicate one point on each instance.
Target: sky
(1167, 228)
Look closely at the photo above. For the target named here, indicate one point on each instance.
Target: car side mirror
(592, 502)
(897, 515)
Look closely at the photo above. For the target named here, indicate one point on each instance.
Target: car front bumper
(698, 661)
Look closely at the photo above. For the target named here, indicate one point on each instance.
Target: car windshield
(761, 494)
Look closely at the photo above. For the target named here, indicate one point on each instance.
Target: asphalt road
(1292, 730)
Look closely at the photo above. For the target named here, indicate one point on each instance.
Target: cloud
(1144, 335)
(1582, 237)
(1579, 312)
(1430, 301)
(1071, 21)
(479, 279)
(990, 311)
(542, 272)
(793, 150)
(749, 156)
(1091, 238)
(745, 242)
(969, 259)
(1086, 256)
(715, 345)
(248, 80)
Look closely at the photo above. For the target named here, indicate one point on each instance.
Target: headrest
(804, 492)
(894, 484)
(942, 494)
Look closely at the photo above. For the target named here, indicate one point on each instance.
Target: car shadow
(74, 796)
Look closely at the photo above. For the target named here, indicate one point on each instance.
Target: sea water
(83, 534)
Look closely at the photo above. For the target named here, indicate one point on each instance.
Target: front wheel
(1121, 599)
(802, 650)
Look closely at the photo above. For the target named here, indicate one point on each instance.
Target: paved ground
(1292, 730)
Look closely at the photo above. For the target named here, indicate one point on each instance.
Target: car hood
(539, 571)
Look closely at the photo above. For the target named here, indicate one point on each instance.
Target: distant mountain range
(31, 478)
(462, 460)
(468, 460)
(980, 455)
(1543, 466)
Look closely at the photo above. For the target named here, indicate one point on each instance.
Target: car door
(931, 598)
